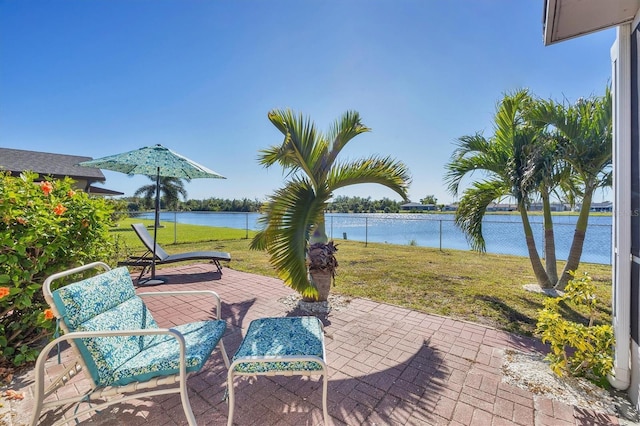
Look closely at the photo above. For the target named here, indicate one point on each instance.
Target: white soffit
(565, 19)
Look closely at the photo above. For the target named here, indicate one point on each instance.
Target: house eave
(567, 19)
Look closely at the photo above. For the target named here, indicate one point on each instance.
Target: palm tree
(538, 148)
(293, 230)
(584, 130)
(509, 162)
(170, 187)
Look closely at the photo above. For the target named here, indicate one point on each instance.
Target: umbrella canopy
(147, 161)
(153, 161)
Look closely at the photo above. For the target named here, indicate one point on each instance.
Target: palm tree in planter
(293, 226)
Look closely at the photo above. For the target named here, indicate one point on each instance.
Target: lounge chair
(162, 257)
(121, 349)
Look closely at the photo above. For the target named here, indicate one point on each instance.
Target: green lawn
(482, 288)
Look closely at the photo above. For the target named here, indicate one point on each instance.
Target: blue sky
(100, 77)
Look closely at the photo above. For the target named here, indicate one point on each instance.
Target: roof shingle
(17, 161)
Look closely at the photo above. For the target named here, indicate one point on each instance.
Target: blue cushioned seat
(278, 337)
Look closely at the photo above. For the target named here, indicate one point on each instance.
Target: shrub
(45, 228)
(577, 349)
(119, 210)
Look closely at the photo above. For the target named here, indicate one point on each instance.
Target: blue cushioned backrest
(85, 299)
(105, 302)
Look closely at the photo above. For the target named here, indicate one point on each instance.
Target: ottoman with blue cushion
(281, 346)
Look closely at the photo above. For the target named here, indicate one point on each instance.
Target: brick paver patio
(388, 366)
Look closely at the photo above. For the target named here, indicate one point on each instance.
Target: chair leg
(231, 397)
(186, 406)
(37, 408)
(224, 354)
(325, 411)
(39, 393)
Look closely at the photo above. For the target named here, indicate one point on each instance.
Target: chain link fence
(503, 234)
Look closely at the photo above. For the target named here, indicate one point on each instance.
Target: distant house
(419, 207)
(498, 207)
(16, 161)
(606, 206)
(554, 207)
(450, 208)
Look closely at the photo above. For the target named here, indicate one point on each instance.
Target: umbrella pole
(156, 219)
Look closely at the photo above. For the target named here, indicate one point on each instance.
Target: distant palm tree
(293, 231)
(170, 189)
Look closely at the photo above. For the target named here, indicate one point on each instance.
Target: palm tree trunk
(549, 239)
(536, 263)
(318, 233)
(573, 260)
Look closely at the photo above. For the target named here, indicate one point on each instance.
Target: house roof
(98, 190)
(565, 19)
(17, 161)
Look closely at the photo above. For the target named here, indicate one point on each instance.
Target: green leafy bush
(577, 349)
(45, 228)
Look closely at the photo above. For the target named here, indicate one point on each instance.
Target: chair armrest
(189, 293)
(93, 265)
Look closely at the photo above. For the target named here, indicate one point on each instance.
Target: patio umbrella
(153, 161)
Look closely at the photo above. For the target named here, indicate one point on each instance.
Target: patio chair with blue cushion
(120, 347)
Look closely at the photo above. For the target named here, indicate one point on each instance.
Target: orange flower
(4, 291)
(59, 209)
(85, 223)
(46, 187)
(21, 220)
(71, 193)
(48, 314)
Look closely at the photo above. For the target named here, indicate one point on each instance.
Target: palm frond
(381, 170)
(509, 117)
(475, 153)
(291, 212)
(343, 130)
(584, 129)
(302, 145)
(472, 208)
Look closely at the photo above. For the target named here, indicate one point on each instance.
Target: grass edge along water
(481, 288)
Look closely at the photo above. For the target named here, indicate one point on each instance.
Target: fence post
(440, 234)
(175, 227)
(331, 227)
(246, 225)
(366, 231)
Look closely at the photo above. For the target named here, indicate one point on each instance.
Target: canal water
(503, 233)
